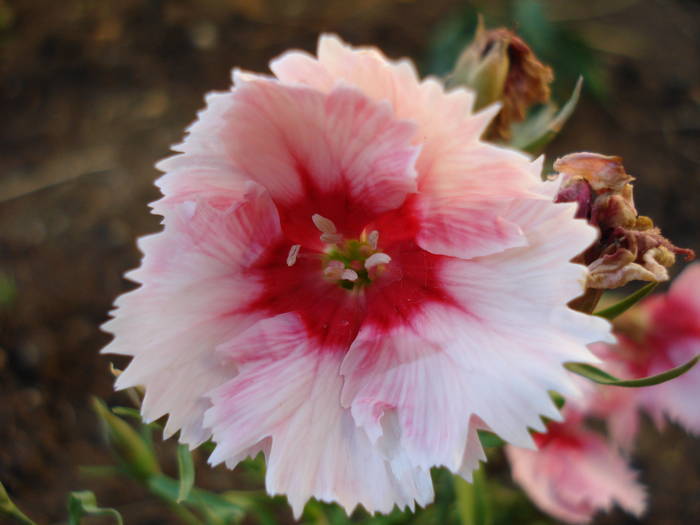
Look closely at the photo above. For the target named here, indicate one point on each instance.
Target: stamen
(334, 270)
(373, 239)
(375, 259)
(349, 275)
(331, 238)
(324, 225)
(293, 252)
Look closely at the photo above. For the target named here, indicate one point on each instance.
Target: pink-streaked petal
(460, 357)
(450, 226)
(349, 146)
(463, 203)
(445, 120)
(288, 390)
(572, 477)
(686, 287)
(198, 259)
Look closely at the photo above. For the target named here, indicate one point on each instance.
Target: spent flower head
(630, 247)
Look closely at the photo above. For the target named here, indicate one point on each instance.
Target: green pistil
(352, 254)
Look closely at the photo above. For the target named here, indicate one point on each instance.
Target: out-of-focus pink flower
(574, 473)
(349, 280)
(663, 332)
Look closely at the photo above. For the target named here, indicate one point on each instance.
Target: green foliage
(538, 130)
(628, 302)
(135, 454)
(84, 503)
(599, 376)
(10, 511)
(473, 506)
(185, 467)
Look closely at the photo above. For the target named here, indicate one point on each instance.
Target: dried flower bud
(602, 172)
(630, 247)
(500, 66)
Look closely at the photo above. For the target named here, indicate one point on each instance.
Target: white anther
(375, 259)
(331, 238)
(293, 252)
(334, 270)
(373, 239)
(324, 225)
(349, 275)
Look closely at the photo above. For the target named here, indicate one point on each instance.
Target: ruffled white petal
(183, 310)
(288, 390)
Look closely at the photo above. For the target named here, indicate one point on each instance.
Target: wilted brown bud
(630, 247)
(499, 66)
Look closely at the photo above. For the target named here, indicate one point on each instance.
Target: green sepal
(539, 129)
(185, 467)
(599, 376)
(628, 302)
(83, 503)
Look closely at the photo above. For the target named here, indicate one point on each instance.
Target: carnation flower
(350, 281)
(663, 332)
(575, 473)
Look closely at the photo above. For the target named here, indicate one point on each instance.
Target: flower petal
(288, 389)
(572, 478)
(198, 259)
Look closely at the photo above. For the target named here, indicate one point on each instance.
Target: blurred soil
(93, 93)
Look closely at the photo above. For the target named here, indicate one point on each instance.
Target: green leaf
(489, 439)
(599, 376)
(9, 510)
(83, 503)
(128, 445)
(628, 302)
(185, 468)
(557, 398)
(535, 133)
(127, 412)
(472, 502)
(217, 508)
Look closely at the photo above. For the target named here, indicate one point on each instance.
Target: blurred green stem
(472, 501)
(10, 510)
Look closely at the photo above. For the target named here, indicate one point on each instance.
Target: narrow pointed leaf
(599, 376)
(215, 506)
(10, 511)
(127, 412)
(628, 302)
(534, 140)
(83, 503)
(185, 468)
(127, 444)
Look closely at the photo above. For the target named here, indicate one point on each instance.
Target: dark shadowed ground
(93, 93)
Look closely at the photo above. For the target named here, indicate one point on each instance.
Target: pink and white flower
(350, 281)
(663, 332)
(574, 473)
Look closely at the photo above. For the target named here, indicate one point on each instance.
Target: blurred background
(92, 93)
